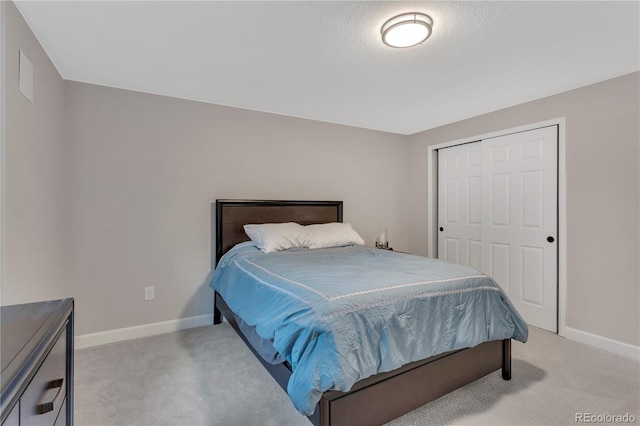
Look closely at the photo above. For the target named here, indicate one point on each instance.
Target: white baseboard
(604, 343)
(136, 332)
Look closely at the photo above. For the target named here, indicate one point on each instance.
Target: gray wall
(32, 193)
(603, 190)
(142, 170)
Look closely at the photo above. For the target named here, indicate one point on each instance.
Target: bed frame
(377, 399)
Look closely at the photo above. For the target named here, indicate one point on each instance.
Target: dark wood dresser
(36, 353)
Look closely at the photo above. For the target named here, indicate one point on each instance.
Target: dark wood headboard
(228, 218)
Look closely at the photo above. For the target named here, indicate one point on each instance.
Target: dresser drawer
(62, 416)
(41, 401)
(13, 419)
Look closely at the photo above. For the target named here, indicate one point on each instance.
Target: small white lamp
(382, 239)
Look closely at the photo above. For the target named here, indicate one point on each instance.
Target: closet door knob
(550, 239)
(441, 229)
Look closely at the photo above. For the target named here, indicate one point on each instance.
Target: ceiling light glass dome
(406, 30)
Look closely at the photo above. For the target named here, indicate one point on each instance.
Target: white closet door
(520, 231)
(459, 205)
(497, 212)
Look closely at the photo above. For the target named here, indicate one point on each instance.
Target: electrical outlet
(149, 293)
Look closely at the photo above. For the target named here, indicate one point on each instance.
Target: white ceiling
(324, 60)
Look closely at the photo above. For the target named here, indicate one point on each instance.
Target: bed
(378, 398)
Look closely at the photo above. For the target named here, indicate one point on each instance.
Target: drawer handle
(48, 406)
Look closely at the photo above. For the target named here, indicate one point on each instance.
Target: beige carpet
(206, 376)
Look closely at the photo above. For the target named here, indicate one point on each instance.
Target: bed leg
(217, 314)
(506, 359)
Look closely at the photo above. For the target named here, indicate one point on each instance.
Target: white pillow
(272, 237)
(331, 235)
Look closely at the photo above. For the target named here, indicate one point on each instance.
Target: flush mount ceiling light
(406, 30)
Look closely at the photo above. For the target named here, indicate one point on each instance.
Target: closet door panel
(459, 205)
(520, 172)
(497, 212)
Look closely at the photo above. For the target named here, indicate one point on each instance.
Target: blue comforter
(339, 315)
